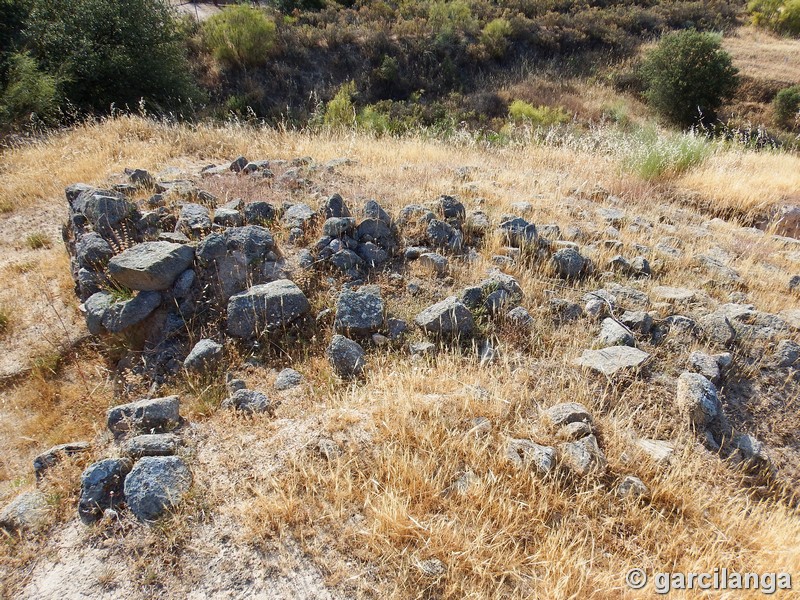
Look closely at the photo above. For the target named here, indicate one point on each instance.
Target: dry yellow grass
(763, 56)
(369, 518)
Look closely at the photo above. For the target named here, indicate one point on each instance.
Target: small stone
(753, 453)
(637, 320)
(709, 366)
(566, 413)
(674, 294)
(697, 399)
(346, 357)
(633, 488)
(250, 402)
(359, 314)
(519, 233)
(717, 328)
(435, 262)
(574, 431)
(527, 454)
(658, 451)
(287, 379)
(613, 334)
(612, 360)
(422, 348)
(582, 456)
(432, 567)
(52, 456)
(328, 449)
(786, 354)
(569, 264)
(397, 328)
(152, 444)
(27, 512)
(520, 318)
(205, 356)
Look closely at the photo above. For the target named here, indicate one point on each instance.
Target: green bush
(450, 18)
(494, 37)
(31, 95)
(688, 76)
(240, 36)
(340, 111)
(781, 16)
(110, 52)
(542, 116)
(787, 107)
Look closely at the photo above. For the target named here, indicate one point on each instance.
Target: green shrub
(30, 95)
(494, 37)
(542, 116)
(787, 107)
(688, 76)
(110, 52)
(340, 111)
(240, 36)
(449, 18)
(781, 16)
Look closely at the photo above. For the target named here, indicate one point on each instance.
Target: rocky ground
(319, 391)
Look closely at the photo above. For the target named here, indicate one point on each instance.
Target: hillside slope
(409, 481)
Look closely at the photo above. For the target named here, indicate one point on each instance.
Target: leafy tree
(240, 36)
(12, 19)
(106, 52)
(782, 16)
(340, 112)
(495, 36)
(688, 76)
(30, 94)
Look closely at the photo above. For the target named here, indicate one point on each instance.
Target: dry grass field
(269, 517)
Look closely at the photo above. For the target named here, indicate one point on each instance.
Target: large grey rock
(569, 264)
(372, 254)
(27, 512)
(228, 217)
(529, 455)
(104, 210)
(752, 453)
(250, 401)
(338, 226)
(378, 232)
(102, 487)
(346, 357)
(347, 261)
(613, 334)
(119, 316)
(373, 210)
(709, 365)
(450, 208)
(92, 251)
(359, 314)
(206, 354)
(151, 444)
(448, 318)
(443, 235)
(266, 307)
(633, 488)
(787, 353)
(298, 216)
(612, 360)
(150, 266)
(52, 456)
(155, 485)
(435, 262)
(786, 222)
(697, 399)
(674, 294)
(637, 320)
(158, 415)
(259, 213)
(717, 328)
(520, 319)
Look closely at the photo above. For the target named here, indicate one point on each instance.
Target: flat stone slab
(609, 361)
(150, 266)
(265, 307)
(675, 294)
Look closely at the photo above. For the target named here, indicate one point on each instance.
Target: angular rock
(346, 261)
(612, 360)
(335, 207)
(520, 318)
(448, 318)
(92, 251)
(119, 316)
(373, 210)
(582, 456)
(298, 216)
(519, 233)
(527, 454)
(102, 487)
(659, 451)
(158, 415)
(422, 348)
(613, 334)
(194, 220)
(151, 444)
(786, 353)
(569, 264)
(205, 355)
(250, 401)
(104, 210)
(259, 213)
(752, 453)
(155, 485)
(287, 379)
(150, 266)
(674, 294)
(566, 413)
(717, 328)
(434, 261)
(637, 320)
(697, 399)
(27, 512)
(228, 217)
(442, 235)
(372, 254)
(338, 226)
(266, 307)
(346, 357)
(378, 232)
(633, 488)
(451, 208)
(95, 307)
(52, 456)
(359, 314)
(709, 366)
